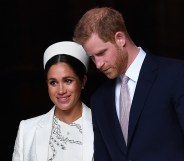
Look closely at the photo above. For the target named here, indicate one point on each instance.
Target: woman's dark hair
(77, 66)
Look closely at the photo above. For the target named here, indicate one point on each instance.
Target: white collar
(134, 69)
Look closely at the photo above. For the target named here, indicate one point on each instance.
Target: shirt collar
(134, 69)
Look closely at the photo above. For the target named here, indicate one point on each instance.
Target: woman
(65, 132)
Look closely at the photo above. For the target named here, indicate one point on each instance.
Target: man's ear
(120, 38)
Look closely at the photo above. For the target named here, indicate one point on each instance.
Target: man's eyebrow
(100, 52)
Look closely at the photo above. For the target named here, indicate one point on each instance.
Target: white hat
(69, 48)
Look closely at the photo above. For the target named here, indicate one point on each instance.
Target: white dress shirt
(133, 74)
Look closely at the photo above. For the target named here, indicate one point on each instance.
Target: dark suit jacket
(156, 124)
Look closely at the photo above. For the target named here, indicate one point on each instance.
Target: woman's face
(64, 87)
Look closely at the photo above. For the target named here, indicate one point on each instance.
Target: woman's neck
(69, 116)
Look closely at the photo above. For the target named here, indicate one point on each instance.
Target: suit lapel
(145, 81)
(112, 122)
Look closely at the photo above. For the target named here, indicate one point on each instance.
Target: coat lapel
(43, 135)
(111, 120)
(44, 131)
(145, 81)
(88, 136)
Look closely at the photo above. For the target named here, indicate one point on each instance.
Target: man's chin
(110, 75)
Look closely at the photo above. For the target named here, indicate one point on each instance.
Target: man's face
(110, 58)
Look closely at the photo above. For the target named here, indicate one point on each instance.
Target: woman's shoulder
(32, 122)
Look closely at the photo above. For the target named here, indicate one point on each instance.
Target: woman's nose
(61, 89)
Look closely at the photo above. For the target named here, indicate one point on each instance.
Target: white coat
(33, 136)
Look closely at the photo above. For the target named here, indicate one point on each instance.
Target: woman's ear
(120, 38)
(84, 81)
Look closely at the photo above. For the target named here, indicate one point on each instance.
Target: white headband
(69, 48)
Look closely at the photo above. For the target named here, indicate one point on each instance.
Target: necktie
(125, 103)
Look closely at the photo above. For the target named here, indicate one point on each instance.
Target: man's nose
(99, 63)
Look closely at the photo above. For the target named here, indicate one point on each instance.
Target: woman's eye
(68, 81)
(53, 83)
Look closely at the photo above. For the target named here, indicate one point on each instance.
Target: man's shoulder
(106, 86)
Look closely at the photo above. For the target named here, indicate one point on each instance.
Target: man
(155, 118)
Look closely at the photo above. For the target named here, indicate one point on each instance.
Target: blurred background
(28, 27)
